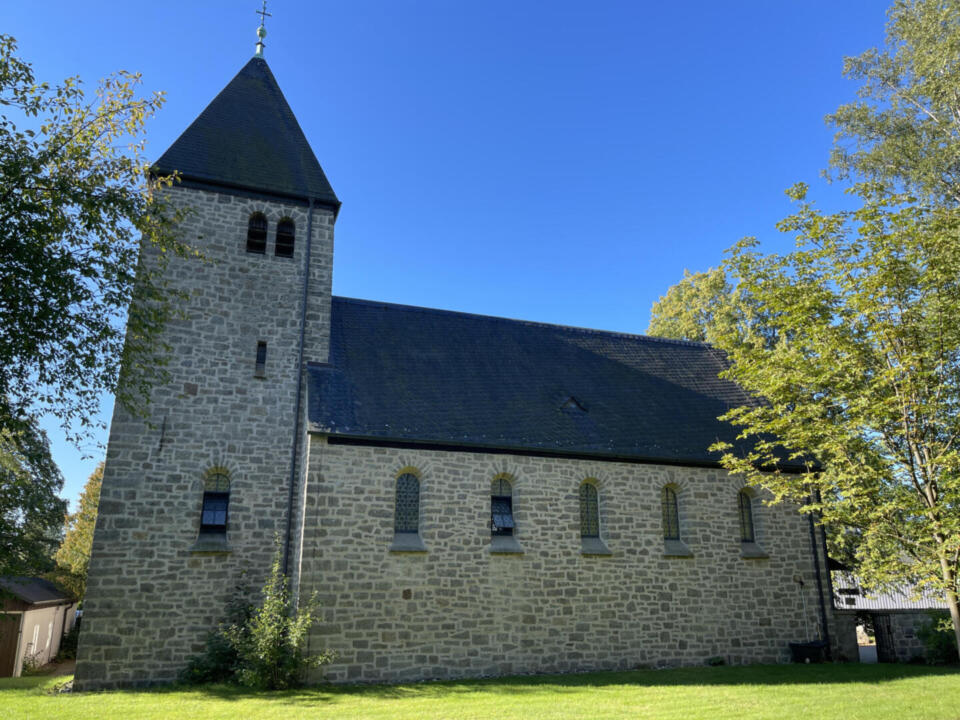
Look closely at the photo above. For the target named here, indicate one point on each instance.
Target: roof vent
(572, 404)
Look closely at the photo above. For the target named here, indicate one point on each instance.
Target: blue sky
(561, 162)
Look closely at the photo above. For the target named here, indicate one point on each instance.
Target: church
(467, 495)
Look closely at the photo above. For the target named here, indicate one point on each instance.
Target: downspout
(295, 445)
(816, 570)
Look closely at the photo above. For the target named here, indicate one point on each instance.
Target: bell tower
(194, 494)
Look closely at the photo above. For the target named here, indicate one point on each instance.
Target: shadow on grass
(756, 675)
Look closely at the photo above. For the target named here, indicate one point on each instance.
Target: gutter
(295, 445)
(816, 570)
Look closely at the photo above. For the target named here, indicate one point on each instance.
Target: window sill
(407, 542)
(593, 546)
(505, 545)
(211, 544)
(752, 551)
(676, 548)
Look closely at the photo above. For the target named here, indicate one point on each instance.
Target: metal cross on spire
(262, 30)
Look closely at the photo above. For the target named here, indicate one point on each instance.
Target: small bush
(261, 646)
(939, 640)
(32, 665)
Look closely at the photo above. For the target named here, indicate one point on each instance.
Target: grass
(808, 692)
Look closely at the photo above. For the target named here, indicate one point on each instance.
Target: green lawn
(806, 692)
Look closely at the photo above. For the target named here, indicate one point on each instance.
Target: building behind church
(467, 495)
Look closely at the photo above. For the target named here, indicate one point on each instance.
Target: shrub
(261, 646)
(938, 639)
(271, 645)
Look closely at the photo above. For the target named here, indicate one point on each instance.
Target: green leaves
(76, 206)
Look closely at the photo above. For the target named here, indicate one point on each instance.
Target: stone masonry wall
(151, 598)
(459, 610)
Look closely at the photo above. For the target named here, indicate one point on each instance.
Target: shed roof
(248, 138)
(34, 590)
(409, 374)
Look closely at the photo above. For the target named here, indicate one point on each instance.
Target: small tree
(73, 556)
(271, 643)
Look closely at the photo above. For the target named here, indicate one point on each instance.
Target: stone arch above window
(286, 234)
(257, 233)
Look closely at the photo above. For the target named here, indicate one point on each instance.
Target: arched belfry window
(671, 514)
(216, 500)
(407, 514)
(501, 507)
(285, 238)
(257, 233)
(589, 511)
(747, 532)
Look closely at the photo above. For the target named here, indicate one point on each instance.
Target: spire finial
(261, 31)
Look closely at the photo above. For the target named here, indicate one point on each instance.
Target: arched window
(216, 499)
(501, 507)
(589, 511)
(747, 534)
(285, 237)
(257, 233)
(671, 514)
(407, 514)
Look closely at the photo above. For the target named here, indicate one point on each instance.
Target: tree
(904, 131)
(691, 308)
(31, 513)
(75, 200)
(862, 380)
(73, 556)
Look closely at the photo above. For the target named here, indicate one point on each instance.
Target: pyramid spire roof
(248, 139)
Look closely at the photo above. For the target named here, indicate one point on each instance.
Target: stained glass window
(746, 517)
(407, 515)
(671, 515)
(501, 507)
(257, 234)
(589, 511)
(285, 236)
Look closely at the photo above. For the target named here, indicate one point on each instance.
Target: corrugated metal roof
(409, 374)
(848, 595)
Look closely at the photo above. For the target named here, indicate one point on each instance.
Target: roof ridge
(537, 323)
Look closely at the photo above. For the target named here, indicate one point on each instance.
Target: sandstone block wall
(459, 610)
(151, 598)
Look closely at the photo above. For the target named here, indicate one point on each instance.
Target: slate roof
(408, 374)
(248, 138)
(33, 590)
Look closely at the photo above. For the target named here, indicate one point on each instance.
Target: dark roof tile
(408, 374)
(248, 138)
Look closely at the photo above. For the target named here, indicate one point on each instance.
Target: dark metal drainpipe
(816, 569)
(295, 446)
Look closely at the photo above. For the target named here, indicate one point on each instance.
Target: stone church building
(467, 495)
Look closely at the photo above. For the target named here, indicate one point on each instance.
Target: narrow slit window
(671, 514)
(407, 512)
(747, 533)
(589, 511)
(501, 507)
(285, 239)
(257, 234)
(260, 369)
